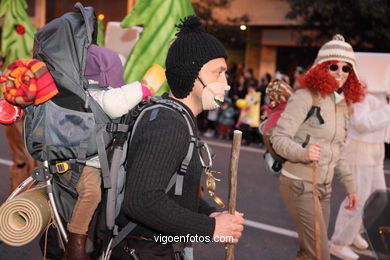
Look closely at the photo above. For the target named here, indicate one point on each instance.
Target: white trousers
(368, 179)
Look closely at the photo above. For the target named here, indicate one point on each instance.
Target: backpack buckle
(62, 167)
(112, 128)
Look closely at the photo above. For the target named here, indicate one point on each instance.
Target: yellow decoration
(154, 78)
(253, 113)
(241, 103)
(101, 17)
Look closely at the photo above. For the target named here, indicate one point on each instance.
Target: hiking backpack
(71, 128)
(273, 161)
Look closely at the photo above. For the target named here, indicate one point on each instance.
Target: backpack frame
(71, 127)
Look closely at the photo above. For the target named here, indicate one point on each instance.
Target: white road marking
(5, 162)
(291, 233)
(251, 149)
(228, 145)
(273, 229)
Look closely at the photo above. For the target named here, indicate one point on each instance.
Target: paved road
(269, 233)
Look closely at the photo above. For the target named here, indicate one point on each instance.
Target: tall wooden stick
(317, 212)
(235, 154)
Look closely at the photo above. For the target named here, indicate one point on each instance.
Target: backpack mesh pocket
(54, 133)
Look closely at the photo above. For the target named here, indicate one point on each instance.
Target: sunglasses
(335, 67)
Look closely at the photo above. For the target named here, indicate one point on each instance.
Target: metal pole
(20, 187)
(49, 190)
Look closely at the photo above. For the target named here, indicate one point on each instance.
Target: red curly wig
(320, 79)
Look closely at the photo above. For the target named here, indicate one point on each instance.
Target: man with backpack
(159, 149)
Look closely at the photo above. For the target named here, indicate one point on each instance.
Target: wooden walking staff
(235, 154)
(317, 212)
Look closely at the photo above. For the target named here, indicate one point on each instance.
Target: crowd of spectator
(243, 108)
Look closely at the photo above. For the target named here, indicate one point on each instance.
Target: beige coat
(291, 132)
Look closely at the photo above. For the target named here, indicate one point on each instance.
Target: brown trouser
(22, 163)
(298, 197)
(89, 191)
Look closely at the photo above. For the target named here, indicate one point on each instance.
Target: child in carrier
(104, 72)
(105, 69)
(278, 93)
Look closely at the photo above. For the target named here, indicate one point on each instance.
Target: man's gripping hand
(228, 225)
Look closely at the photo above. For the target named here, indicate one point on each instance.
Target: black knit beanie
(192, 48)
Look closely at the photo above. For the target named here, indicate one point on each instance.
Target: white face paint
(213, 79)
(213, 95)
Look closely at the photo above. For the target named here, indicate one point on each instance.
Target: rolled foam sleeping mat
(24, 217)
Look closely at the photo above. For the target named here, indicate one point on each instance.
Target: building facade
(269, 43)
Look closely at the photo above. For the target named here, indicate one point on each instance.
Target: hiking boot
(75, 249)
(343, 252)
(359, 242)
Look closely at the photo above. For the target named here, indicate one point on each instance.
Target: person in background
(249, 78)
(299, 72)
(240, 91)
(212, 123)
(365, 152)
(226, 119)
(264, 81)
(279, 75)
(249, 119)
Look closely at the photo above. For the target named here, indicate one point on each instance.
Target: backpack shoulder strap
(315, 108)
(314, 97)
(178, 177)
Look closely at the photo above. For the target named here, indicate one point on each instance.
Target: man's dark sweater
(155, 154)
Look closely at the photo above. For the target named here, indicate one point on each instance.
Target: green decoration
(100, 33)
(17, 37)
(158, 18)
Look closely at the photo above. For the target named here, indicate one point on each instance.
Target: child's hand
(154, 78)
(149, 89)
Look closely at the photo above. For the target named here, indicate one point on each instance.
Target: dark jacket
(155, 154)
